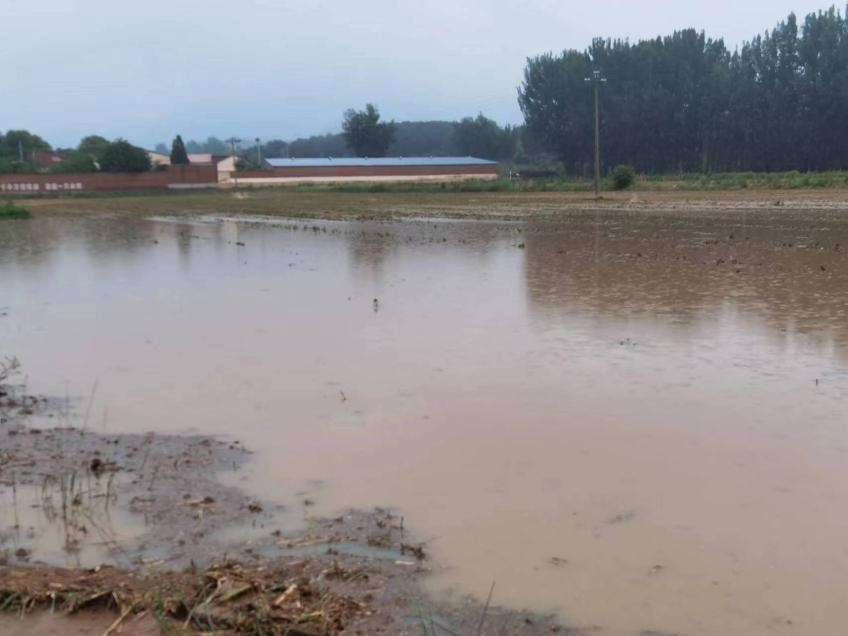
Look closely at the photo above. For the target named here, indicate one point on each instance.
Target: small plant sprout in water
(9, 366)
(80, 504)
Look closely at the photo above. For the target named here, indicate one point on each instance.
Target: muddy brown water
(637, 420)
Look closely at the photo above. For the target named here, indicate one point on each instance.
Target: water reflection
(614, 416)
(62, 521)
(787, 273)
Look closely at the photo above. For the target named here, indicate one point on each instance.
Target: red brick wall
(101, 181)
(369, 171)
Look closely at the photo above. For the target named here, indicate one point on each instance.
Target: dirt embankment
(385, 205)
(135, 534)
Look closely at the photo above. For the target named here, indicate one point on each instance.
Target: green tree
(557, 107)
(212, 145)
(18, 145)
(482, 137)
(424, 138)
(122, 156)
(75, 161)
(684, 103)
(623, 177)
(412, 139)
(365, 134)
(13, 166)
(332, 145)
(93, 145)
(179, 156)
(248, 162)
(276, 148)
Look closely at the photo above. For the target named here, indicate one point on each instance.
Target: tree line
(685, 103)
(477, 136)
(19, 150)
(363, 134)
(680, 103)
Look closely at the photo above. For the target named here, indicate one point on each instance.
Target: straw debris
(227, 596)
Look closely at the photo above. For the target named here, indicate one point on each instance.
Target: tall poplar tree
(685, 103)
(179, 156)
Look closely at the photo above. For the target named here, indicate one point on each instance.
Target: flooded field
(636, 420)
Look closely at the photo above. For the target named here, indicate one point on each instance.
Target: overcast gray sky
(148, 69)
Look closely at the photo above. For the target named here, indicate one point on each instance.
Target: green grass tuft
(12, 211)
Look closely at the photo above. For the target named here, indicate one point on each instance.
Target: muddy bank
(481, 205)
(135, 534)
(327, 590)
(124, 499)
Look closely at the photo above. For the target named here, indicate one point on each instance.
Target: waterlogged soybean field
(632, 419)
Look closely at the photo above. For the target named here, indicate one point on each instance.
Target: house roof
(200, 157)
(45, 159)
(378, 161)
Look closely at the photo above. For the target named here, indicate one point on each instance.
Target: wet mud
(353, 206)
(79, 498)
(161, 570)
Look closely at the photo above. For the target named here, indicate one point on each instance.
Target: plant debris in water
(275, 599)
(358, 573)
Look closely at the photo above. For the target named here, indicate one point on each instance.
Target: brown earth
(502, 205)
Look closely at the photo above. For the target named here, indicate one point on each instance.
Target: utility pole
(597, 80)
(233, 141)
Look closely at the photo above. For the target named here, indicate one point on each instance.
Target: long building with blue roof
(370, 162)
(367, 169)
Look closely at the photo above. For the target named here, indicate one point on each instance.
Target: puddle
(66, 523)
(634, 420)
(429, 623)
(353, 549)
